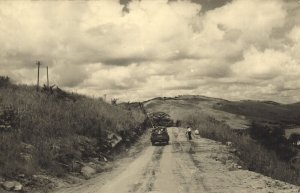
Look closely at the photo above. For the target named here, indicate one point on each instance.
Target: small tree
(114, 101)
(272, 138)
(178, 123)
(4, 81)
(161, 119)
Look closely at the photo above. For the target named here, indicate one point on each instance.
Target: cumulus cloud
(266, 64)
(135, 50)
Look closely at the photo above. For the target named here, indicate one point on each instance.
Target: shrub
(161, 119)
(178, 123)
(4, 81)
(273, 139)
(12, 161)
(294, 138)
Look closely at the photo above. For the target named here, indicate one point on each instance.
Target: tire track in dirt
(187, 171)
(198, 178)
(148, 177)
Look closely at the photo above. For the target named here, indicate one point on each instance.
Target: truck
(160, 135)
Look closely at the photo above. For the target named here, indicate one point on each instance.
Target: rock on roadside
(87, 171)
(12, 185)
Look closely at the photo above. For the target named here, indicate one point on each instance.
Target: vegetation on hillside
(161, 119)
(263, 111)
(154, 119)
(50, 131)
(257, 154)
(273, 139)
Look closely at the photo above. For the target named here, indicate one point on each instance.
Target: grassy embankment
(256, 155)
(49, 131)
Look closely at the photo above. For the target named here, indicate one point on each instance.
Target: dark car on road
(160, 135)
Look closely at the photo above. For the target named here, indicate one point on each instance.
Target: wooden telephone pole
(38, 63)
(47, 78)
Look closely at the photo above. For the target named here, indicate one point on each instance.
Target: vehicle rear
(160, 136)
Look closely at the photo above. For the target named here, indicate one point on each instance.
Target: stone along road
(196, 166)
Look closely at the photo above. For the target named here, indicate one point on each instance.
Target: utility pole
(38, 63)
(47, 78)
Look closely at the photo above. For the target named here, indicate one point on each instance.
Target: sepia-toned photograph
(150, 96)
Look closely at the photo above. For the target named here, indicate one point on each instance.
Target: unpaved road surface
(196, 166)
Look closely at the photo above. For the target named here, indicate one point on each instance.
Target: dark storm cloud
(209, 4)
(181, 87)
(124, 61)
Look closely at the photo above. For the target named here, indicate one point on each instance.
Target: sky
(137, 50)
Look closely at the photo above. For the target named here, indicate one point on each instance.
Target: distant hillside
(181, 106)
(237, 114)
(264, 111)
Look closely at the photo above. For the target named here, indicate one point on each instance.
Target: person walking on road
(189, 133)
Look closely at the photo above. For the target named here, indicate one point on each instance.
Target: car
(160, 135)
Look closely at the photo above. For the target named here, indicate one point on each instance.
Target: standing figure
(189, 133)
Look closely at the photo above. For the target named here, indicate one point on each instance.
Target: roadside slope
(52, 133)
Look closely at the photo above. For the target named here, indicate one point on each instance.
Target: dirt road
(196, 166)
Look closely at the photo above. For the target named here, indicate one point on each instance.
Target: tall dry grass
(255, 157)
(57, 128)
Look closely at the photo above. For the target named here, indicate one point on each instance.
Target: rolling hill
(236, 114)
